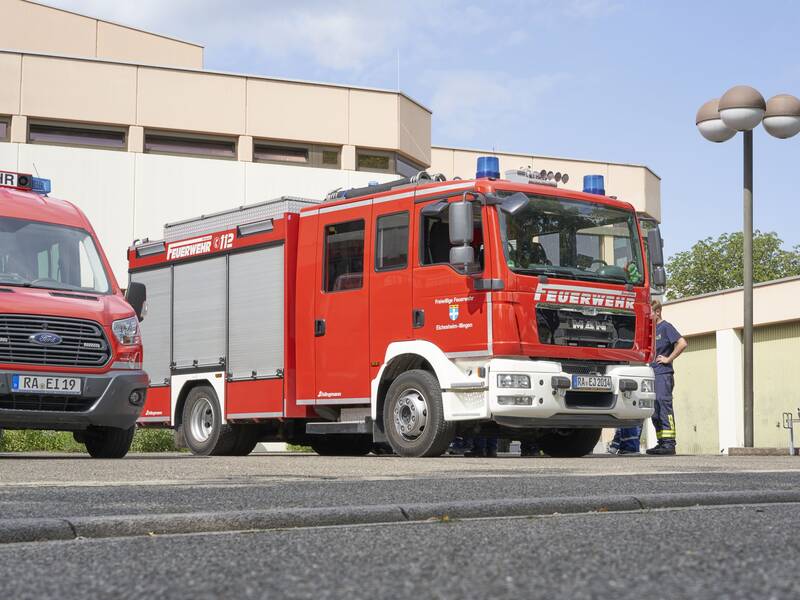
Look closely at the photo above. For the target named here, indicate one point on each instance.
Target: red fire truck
(70, 349)
(402, 314)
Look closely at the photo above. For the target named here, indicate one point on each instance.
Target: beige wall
(773, 302)
(70, 89)
(65, 33)
(695, 397)
(630, 183)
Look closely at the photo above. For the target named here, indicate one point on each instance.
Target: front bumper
(104, 402)
(560, 407)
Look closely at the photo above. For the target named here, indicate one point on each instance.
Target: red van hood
(56, 303)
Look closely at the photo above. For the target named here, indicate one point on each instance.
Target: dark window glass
(281, 154)
(3, 131)
(186, 145)
(330, 157)
(75, 136)
(373, 162)
(406, 168)
(344, 256)
(391, 242)
(436, 238)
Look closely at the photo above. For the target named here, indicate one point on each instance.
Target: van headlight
(513, 381)
(127, 331)
(648, 386)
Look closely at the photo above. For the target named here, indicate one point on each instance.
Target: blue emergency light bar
(488, 166)
(41, 185)
(594, 184)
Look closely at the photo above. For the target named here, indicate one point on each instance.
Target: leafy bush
(31, 440)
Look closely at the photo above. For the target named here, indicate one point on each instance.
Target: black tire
(202, 426)
(414, 401)
(569, 443)
(246, 440)
(108, 442)
(342, 445)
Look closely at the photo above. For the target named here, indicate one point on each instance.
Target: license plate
(591, 383)
(36, 384)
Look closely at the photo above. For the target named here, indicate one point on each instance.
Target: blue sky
(616, 80)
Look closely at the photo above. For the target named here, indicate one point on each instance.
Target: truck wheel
(413, 416)
(569, 443)
(342, 445)
(108, 442)
(202, 424)
(246, 440)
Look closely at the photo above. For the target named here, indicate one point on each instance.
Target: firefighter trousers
(664, 416)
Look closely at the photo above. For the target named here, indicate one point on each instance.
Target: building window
(189, 145)
(92, 136)
(4, 129)
(327, 157)
(344, 256)
(391, 242)
(373, 160)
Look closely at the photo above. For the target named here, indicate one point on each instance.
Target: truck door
(390, 279)
(452, 313)
(341, 322)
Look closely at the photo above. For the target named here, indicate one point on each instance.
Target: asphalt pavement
(282, 525)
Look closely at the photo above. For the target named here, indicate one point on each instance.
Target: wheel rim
(410, 414)
(201, 420)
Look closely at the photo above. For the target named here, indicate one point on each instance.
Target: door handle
(417, 318)
(319, 327)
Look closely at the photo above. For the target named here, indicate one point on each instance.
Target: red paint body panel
(259, 396)
(158, 403)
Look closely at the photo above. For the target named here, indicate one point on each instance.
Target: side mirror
(462, 226)
(136, 295)
(656, 247)
(658, 278)
(514, 203)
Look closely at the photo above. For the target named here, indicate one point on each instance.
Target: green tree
(712, 265)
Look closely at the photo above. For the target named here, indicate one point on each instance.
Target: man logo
(454, 312)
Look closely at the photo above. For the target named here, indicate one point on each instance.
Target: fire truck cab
(70, 349)
(402, 314)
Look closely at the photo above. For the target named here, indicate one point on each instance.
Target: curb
(38, 530)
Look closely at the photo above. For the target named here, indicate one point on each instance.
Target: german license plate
(591, 383)
(36, 384)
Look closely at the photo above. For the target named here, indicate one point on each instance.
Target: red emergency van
(70, 347)
(401, 314)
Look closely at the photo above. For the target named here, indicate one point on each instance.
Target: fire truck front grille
(83, 343)
(46, 402)
(564, 327)
(589, 399)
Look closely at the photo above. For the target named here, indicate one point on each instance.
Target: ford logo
(45, 338)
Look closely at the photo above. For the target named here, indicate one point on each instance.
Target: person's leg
(491, 446)
(478, 447)
(613, 446)
(663, 417)
(629, 439)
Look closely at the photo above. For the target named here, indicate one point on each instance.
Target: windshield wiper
(596, 277)
(549, 271)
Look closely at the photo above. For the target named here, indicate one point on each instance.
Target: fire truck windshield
(47, 255)
(572, 239)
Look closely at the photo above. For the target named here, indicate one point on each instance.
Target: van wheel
(108, 442)
(202, 426)
(246, 440)
(569, 443)
(413, 416)
(342, 445)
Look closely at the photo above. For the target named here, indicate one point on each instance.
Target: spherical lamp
(741, 108)
(710, 124)
(782, 118)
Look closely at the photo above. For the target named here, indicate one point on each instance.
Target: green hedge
(145, 440)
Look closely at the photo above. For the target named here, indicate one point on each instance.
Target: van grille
(83, 342)
(46, 402)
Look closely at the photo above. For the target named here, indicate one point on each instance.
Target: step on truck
(400, 315)
(70, 348)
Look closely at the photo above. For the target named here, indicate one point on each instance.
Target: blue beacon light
(488, 166)
(41, 185)
(594, 184)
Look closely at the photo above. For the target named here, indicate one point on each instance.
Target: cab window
(344, 256)
(391, 242)
(435, 235)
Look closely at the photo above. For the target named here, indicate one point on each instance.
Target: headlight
(513, 381)
(127, 331)
(648, 386)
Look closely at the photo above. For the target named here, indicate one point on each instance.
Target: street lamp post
(742, 108)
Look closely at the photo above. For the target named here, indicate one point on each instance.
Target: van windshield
(45, 255)
(573, 239)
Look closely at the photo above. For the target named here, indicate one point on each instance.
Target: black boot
(661, 450)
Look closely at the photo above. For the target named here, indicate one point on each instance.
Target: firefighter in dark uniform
(669, 345)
